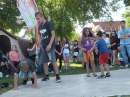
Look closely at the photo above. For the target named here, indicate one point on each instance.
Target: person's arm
(114, 41)
(123, 36)
(35, 80)
(39, 44)
(94, 47)
(51, 40)
(57, 52)
(10, 56)
(18, 57)
(79, 45)
(16, 82)
(34, 46)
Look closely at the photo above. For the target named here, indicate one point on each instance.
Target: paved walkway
(78, 86)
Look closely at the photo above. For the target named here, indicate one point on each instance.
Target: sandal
(95, 75)
(101, 77)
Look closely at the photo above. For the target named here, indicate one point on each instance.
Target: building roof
(108, 26)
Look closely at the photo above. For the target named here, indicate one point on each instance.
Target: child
(86, 43)
(104, 54)
(26, 68)
(76, 51)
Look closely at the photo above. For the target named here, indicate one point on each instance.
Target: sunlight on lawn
(75, 65)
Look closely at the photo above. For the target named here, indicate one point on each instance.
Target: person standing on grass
(58, 52)
(32, 49)
(104, 54)
(66, 53)
(76, 51)
(114, 43)
(86, 43)
(124, 36)
(46, 39)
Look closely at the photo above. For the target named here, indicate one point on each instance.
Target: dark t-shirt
(45, 33)
(32, 65)
(76, 49)
(114, 39)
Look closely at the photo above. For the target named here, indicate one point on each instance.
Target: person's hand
(2, 64)
(109, 46)
(38, 49)
(84, 49)
(15, 88)
(88, 51)
(28, 49)
(48, 48)
(36, 87)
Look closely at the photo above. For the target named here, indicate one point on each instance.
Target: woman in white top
(107, 40)
(66, 52)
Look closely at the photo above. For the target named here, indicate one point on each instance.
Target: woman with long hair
(14, 57)
(86, 43)
(32, 50)
(58, 51)
(113, 45)
(66, 53)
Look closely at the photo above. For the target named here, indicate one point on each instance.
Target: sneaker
(25, 82)
(1, 74)
(32, 79)
(112, 66)
(95, 75)
(101, 77)
(108, 74)
(7, 75)
(126, 66)
(58, 79)
(52, 72)
(45, 79)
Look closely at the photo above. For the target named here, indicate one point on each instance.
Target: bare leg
(67, 61)
(55, 67)
(102, 69)
(83, 63)
(93, 66)
(87, 68)
(107, 67)
(114, 57)
(45, 68)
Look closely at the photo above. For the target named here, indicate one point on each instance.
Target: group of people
(94, 48)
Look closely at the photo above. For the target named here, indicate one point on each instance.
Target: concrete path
(78, 86)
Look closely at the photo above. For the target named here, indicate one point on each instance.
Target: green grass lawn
(74, 69)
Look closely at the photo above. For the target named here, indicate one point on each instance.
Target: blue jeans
(125, 48)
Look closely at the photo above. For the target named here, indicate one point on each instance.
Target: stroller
(6, 68)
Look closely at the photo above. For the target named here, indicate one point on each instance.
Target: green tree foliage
(63, 13)
(126, 16)
(8, 16)
(127, 2)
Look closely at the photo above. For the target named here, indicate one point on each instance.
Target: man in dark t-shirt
(46, 40)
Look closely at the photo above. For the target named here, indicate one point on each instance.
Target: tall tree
(9, 13)
(126, 16)
(63, 13)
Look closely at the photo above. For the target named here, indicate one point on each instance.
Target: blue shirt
(101, 46)
(123, 32)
